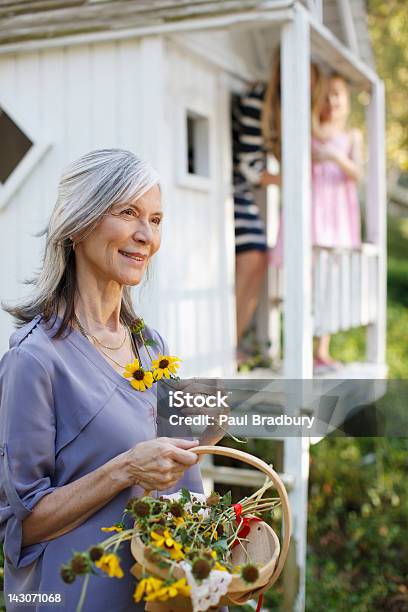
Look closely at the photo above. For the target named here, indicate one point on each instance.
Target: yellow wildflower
(180, 587)
(147, 586)
(160, 538)
(219, 567)
(110, 564)
(212, 532)
(140, 379)
(165, 540)
(176, 552)
(165, 365)
(117, 528)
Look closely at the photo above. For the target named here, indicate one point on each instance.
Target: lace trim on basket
(207, 592)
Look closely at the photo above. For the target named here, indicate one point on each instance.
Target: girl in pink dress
(336, 170)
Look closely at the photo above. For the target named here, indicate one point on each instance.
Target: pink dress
(335, 205)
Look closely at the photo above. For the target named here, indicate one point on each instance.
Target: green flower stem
(233, 537)
(117, 535)
(83, 593)
(245, 550)
(125, 538)
(145, 345)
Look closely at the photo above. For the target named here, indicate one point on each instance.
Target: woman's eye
(156, 220)
(129, 212)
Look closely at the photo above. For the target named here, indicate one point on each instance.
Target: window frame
(190, 107)
(27, 164)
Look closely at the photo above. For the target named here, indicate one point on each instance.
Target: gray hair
(88, 188)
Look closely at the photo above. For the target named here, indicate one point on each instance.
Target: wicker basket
(262, 545)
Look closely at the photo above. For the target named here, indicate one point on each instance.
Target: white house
(157, 77)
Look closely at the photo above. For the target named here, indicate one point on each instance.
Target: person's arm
(352, 165)
(252, 160)
(153, 465)
(269, 179)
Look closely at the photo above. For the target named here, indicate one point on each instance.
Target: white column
(296, 199)
(376, 217)
(296, 175)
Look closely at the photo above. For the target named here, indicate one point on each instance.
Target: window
(14, 145)
(197, 144)
(20, 152)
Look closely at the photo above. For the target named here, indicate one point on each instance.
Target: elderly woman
(77, 439)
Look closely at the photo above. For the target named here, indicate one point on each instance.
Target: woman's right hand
(158, 464)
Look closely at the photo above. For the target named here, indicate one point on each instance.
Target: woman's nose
(143, 232)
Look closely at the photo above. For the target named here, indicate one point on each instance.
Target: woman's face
(337, 99)
(120, 247)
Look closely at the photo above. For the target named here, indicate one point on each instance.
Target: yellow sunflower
(140, 379)
(110, 564)
(165, 365)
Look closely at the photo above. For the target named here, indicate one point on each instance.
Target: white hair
(88, 188)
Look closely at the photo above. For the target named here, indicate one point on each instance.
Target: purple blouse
(64, 412)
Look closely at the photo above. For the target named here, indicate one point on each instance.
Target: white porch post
(376, 217)
(295, 87)
(298, 353)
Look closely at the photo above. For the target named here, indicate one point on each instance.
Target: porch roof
(30, 20)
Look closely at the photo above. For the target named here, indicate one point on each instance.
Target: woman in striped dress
(249, 172)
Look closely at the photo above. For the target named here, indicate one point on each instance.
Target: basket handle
(279, 486)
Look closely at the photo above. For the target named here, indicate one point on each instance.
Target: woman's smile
(137, 258)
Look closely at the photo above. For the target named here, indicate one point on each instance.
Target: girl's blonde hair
(271, 109)
(88, 188)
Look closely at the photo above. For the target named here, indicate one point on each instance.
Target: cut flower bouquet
(192, 551)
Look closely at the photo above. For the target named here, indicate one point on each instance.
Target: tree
(388, 24)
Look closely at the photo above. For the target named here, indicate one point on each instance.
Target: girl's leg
(322, 351)
(250, 272)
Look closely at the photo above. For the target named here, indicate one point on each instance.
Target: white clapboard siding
(8, 216)
(103, 95)
(199, 283)
(72, 97)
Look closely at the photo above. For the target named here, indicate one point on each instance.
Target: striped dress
(249, 162)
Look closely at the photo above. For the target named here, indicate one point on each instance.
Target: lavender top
(64, 412)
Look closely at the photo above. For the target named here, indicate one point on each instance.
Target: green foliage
(358, 553)
(358, 518)
(388, 24)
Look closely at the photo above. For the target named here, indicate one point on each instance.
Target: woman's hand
(158, 464)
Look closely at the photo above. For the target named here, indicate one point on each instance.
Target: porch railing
(345, 288)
